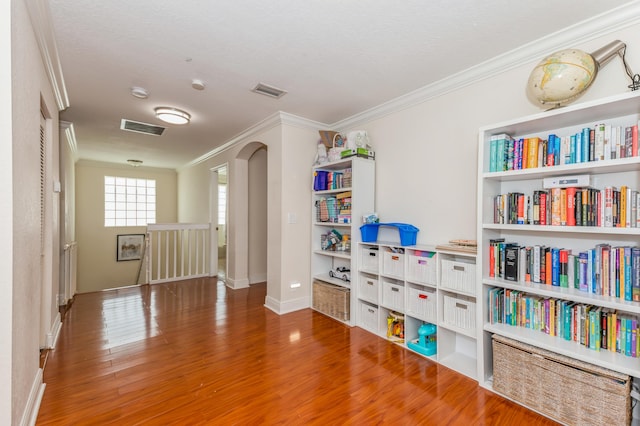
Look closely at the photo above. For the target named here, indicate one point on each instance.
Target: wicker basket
(562, 388)
(332, 300)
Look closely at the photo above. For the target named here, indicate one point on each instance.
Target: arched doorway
(247, 220)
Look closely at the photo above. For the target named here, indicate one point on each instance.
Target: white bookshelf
(622, 110)
(323, 261)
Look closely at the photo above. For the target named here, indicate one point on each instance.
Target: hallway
(194, 352)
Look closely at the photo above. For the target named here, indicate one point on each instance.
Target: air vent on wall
(266, 90)
(136, 126)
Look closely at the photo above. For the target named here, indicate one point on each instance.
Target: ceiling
(335, 58)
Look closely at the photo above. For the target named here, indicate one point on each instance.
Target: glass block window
(129, 201)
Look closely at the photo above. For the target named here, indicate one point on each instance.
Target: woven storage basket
(562, 388)
(331, 300)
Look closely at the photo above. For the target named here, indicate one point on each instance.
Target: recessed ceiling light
(172, 115)
(139, 92)
(135, 163)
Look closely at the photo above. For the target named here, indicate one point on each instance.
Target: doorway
(219, 191)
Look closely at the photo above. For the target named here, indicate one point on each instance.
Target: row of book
(604, 270)
(593, 327)
(607, 207)
(324, 180)
(598, 143)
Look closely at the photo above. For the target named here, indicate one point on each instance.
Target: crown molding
(45, 36)
(600, 25)
(274, 120)
(70, 134)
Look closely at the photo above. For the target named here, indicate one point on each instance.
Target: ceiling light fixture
(172, 115)
(135, 163)
(139, 92)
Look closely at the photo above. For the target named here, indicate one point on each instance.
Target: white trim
(45, 35)
(270, 122)
(236, 284)
(611, 21)
(70, 134)
(52, 336)
(30, 414)
(288, 306)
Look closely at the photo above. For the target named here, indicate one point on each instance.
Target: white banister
(181, 255)
(70, 272)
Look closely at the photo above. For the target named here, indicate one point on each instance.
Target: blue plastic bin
(408, 233)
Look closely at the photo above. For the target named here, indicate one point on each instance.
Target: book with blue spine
(585, 144)
(628, 280)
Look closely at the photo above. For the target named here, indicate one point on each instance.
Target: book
(511, 254)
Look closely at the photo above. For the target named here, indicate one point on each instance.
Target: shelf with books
(427, 289)
(569, 294)
(510, 212)
(342, 192)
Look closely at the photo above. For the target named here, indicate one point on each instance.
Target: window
(129, 201)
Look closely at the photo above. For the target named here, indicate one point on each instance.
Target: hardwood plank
(195, 352)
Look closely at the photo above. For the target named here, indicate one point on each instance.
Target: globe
(563, 76)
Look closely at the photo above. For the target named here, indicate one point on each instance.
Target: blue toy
(425, 344)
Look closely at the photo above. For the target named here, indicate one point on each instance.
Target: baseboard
(236, 284)
(52, 336)
(282, 308)
(30, 414)
(258, 278)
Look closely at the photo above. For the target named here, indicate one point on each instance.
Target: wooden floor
(195, 352)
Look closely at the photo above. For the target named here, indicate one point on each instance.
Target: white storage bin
(458, 275)
(459, 311)
(368, 289)
(393, 264)
(370, 256)
(369, 317)
(422, 304)
(393, 296)
(422, 268)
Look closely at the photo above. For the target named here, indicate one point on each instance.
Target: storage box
(332, 300)
(369, 317)
(393, 264)
(370, 259)
(422, 304)
(369, 232)
(458, 275)
(562, 388)
(422, 268)
(459, 311)
(393, 295)
(408, 233)
(368, 289)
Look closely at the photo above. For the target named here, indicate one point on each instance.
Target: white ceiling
(335, 58)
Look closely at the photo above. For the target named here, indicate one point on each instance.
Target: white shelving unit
(622, 110)
(421, 285)
(357, 182)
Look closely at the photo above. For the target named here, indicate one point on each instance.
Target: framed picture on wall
(130, 247)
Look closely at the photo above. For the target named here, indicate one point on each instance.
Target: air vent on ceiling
(136, 126)
(267, 90)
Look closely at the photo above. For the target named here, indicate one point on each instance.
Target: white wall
(29, 86)
(291, 145)
(426, 154)
(6, 215)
